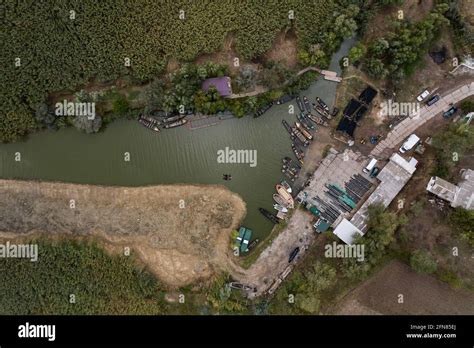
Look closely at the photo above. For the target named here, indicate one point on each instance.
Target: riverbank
(181, 232)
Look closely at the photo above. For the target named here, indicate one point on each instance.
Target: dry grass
(179, 245)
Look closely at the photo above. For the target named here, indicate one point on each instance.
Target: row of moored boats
(156, 124)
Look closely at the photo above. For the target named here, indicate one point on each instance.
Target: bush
(422, 262)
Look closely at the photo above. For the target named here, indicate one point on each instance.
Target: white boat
(280, 208)
(285, 195)
(286, 186)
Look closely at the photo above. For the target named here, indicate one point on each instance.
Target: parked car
(409, 143)
(452, 110)
(423, 95)
(433, 100)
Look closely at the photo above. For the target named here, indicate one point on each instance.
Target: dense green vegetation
(101, 284)
(450, 145)
(422, 262)
(462, 221)
(63, 45)
(60, 45)
(396, 54)
(463, 33)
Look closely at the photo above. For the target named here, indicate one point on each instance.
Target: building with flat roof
(222, 85)
(461, 195)
(393, 177)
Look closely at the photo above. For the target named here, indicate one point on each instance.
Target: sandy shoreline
(180, 231)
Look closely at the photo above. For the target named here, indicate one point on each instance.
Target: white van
(409, 143)
(370, 166)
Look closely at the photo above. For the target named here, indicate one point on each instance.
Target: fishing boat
(305, 121)
(173, 118)
(262, 110)
(318, 120)
(286, 186)
(303, 131)
(176, 124)
(300, 136)
(300, 104)
(149, 125)
(244, 247)
(289, 175)
(322, 112)
(285, 195)
(284, 99)
(253, 243)
(240, 286)
(292, 170)
(240, 237)
(150, 119)
(287, 126)
(280, 208)
(280, 200)
(307, 104)
(323, 104)
(298, 153)
(288, 161)
(269, 215)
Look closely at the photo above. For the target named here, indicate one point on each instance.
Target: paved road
(409, 125)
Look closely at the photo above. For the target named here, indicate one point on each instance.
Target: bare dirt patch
(225, 55)
(422, 294)
(179, 245)
(284, 50)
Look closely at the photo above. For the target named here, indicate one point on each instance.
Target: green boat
(240, 237)
(244, 247)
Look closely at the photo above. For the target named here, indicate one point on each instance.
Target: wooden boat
(240, 286)
(285, 195)
(300, 104)
(280, 208)
(300, 136)
(173, 118)
(253, 243)
(305, 121)
(262, 110)
(287, 126)
(299, 155)
(318, 120)
(280, 200)
(149, 125)
(269, 215)
(303, 131)
(292, 170)
(288, 161)
(284, 99)
(286, 186)
(322, 112)
(176, 124)
(323, 104)
(307, 104)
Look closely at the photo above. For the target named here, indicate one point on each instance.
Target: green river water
(177, 155)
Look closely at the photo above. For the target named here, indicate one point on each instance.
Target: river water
(177, 155)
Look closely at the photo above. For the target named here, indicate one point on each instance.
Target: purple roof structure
(222, 84)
